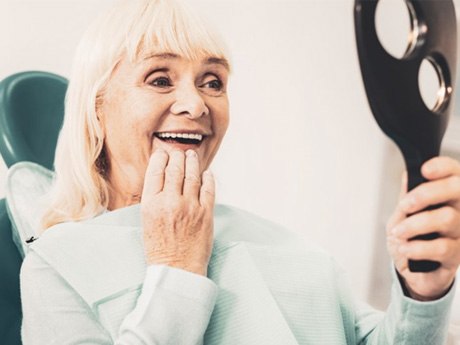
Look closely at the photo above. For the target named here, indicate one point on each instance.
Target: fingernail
(190, 153)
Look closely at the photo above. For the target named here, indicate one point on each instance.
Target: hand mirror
(392, 85)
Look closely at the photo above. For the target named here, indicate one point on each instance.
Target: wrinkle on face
(132, 110)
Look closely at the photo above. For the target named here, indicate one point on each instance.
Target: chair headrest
(31, 114)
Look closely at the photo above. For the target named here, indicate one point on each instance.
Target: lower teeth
(182, 140)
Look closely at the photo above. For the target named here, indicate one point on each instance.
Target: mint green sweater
(88, 283)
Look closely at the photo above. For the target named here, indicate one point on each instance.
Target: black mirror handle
(392, 85)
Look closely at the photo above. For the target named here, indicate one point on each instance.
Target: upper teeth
(180, 135)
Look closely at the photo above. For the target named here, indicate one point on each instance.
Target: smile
(181, 138)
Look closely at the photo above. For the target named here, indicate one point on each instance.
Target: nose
(189, 102)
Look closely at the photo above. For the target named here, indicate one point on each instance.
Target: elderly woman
(136, 252)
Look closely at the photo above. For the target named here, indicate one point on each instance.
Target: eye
(215, 84)
(212, 84)
(162, 82)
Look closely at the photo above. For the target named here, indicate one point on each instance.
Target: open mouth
(181, 138)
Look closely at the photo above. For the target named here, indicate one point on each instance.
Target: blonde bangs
(170, 26)
(136, 29)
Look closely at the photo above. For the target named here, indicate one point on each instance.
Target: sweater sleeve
(406, 321)
(174, 307)
(454, 328)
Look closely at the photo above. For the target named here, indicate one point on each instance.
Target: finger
(443, 250)
(440, 167)
(192, 181)
(207, 191)
(430, 193)
(398, 215)
(155, 173)
(174, 174)
(444, 220)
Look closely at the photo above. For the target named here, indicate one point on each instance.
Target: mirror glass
(431, 84)
(394, 23)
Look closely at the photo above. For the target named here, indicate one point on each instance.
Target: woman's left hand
(443, 187)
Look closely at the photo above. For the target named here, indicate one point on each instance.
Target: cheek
(132, 115)
(221, 118)
(112, 112)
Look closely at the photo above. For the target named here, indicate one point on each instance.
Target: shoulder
(65, 241)
(107, 230)
(94, 258)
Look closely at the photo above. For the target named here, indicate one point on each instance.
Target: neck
(118, 200)
(123, 193)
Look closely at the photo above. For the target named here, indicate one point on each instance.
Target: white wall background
(302, 148)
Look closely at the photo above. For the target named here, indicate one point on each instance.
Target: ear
(99, 107)
(100, 117)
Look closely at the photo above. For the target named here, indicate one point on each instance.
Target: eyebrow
(218, 61)
(172, 56)
(164, 56)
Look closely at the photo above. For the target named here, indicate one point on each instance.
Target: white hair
(132, 29)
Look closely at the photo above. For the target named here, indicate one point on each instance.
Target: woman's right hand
(177, 211)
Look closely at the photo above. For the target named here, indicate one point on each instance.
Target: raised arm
(177, 299)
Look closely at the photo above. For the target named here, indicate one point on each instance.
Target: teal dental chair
(31, 113)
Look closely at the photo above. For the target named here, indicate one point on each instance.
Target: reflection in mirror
(431, 84)
(396, 26)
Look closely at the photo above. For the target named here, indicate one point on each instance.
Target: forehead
(204, 59)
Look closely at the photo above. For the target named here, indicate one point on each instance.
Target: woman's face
(164, 101)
